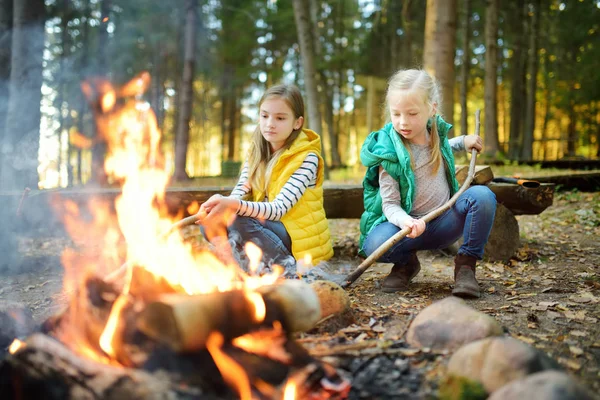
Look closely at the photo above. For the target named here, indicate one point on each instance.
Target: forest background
(530, 66)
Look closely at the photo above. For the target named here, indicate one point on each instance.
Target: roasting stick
(119, 272)
(427, 218)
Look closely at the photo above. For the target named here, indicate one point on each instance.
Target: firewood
(332, 297)
(45, 368)
(521, 200)
(483, 174)
(184, 322)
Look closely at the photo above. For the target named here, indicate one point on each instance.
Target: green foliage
(461, 388)
(245, 45)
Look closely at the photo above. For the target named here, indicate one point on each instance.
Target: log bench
(340, 201)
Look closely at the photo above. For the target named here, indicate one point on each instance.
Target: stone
(546, 385)
(496, 361)
(449, 324)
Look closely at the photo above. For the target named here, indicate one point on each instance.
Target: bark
(440, 45)
(407, 40)
(530, 109)
(99, 148)
(83, 64)
(307, 54)
(517, 93)
(22, 130)
(6, 25)
(464, 73)
(158, 89)
(504, 239)
(62, 88)
(313, 13)
(232, 117)
(182, 137)
(572, 131)
(491, 146)
(48, 369)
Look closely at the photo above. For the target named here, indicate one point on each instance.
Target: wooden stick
(427, 218)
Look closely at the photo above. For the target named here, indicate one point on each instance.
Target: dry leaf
(576, 351)
(578, 333)
(570, 363)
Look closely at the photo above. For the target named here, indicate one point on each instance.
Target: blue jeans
(471, 216)
(271, 236)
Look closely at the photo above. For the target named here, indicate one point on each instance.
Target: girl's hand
(208, 205)
(417, 227)
(218, 210)
(473, 142)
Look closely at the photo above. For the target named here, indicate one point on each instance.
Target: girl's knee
(483, 195)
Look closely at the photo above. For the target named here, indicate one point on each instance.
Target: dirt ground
(548, 295)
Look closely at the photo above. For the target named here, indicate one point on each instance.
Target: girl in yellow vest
(278, 201)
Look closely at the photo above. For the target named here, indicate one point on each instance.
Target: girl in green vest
(410, 172)
(278, 201)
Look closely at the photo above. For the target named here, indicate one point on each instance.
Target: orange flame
(106, 339)
(15, 346)
(289, 392)
(231, 371)
(131, 232)
(260, 309)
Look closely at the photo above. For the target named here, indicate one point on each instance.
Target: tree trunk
(439, 50)
(517, 91)
(490, 86)
(99, 148)
(158, 79)
(62, 88)
(233, 123)
(6, 26)
(464, 72)
(407, 57)
(83, 65)
(307, 53)
(182, 137)
(530, 111)
(572, 131)
(21, 142)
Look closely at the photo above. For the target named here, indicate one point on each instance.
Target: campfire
(149, 315)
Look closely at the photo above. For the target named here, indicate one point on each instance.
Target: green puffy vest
(385, 148)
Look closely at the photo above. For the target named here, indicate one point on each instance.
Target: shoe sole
(467, 294)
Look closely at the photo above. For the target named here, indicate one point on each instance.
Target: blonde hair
(260, 158)
(417, 82)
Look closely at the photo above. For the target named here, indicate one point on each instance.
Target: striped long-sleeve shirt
(304, 177)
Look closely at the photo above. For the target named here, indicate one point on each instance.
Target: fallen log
(521, 200)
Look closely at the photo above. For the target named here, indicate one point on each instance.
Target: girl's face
(277, 122)
(409, 113)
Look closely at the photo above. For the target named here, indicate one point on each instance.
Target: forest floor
(548, 295)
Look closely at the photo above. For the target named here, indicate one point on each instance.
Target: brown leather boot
(465, 284)
(401, 275)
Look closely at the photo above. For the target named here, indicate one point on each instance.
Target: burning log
(185, 322)
(45, 368)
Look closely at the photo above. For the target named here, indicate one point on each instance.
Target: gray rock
(450, 323)
(547, 385)
(496, 361)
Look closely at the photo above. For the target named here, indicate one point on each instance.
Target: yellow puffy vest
(306, 222)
